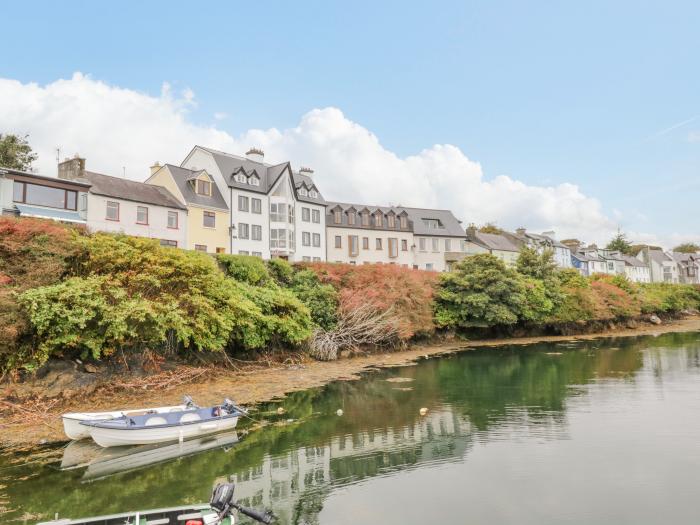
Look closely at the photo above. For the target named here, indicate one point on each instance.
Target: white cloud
(114, 127)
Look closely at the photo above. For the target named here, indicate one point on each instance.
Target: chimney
(155, 167)
(72, 169)
(255, 155)
(471, 231)
(551, 234)
(306, 171)
(520, 231)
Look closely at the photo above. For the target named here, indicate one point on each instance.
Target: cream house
(208, 218)
(412, 237)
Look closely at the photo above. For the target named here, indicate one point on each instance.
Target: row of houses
(218, 202)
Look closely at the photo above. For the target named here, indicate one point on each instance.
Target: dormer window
(365, 218)
(313, 193)
(254, 181)
(303, 192)
(203, 187)
(432, 224)
(378, 222)
(336, 217)
(351, 218)
(404, 222)
(240, 177)
(391, 219)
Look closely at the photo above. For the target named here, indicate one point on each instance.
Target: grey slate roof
(659, 257)
(230, 164)
(78, 182)
(633, 261)
(450, 225)
(182, 178)
(585, 257)
(131, 190)
(494, 241)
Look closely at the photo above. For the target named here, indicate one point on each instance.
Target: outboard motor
(230, 407)
(222, 501)
(189, 402)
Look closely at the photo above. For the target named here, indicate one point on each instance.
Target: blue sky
(545, 92)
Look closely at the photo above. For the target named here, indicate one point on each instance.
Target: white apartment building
(274, 212)
(412, 237)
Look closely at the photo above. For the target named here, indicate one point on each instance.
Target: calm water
(604, 432)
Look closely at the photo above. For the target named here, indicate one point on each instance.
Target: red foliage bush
(612, 301)
(408, 292)
(33, 252)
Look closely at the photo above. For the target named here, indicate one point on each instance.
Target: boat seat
(190, 416)
(191, 516)
(155, 420)
(158, 521)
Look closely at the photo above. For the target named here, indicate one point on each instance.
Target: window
(27, 193)
(278, 238)
(305, 239)
(141, 215)
(254, 181)
(209, 219)
(112, 211)
(365, 218)
(219, 249)
(200, 247)
(404, 245)
(378, 222)
(303, 192)
(256, 205)
(256, 254)
(404, 222)
(168, 243)
(306, 214)
(315, 216)
(203, 187)
(256, 232)
(306, 259)
(352, 245)
(317, 259)
(291, 215)
(243, 252)
(243, 232)
(240, 177)
(432, 224)
(393, 247)
(429, 266)
(365, 243)
(351, 218)
(317, 240)
(278, 212)
(336, 216)
(173, 220)
(242, 203)
(448, 245)
(421, 244)
(436, 245)
(611, 265)
(338, 241)
(391, 219)
(379, 244)
(313, 193)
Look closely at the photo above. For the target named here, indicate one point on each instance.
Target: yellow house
(207, 212)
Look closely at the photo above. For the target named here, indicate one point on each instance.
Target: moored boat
(75, 431)
(176, 425)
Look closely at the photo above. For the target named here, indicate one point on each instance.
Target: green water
(604, 432)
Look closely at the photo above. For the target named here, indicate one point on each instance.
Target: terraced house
(274, 211)
(412, 237)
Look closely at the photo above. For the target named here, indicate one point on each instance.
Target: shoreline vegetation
(80, 309)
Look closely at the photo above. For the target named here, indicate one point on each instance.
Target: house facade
(119, 205)
(411, 237)
(31, 195)
(561, 253)
(274, 211)
(208, 220)
(688, 267)
(502, 246)
(635, 270)
(662, 267)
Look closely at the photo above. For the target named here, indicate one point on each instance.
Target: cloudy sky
(581, 118)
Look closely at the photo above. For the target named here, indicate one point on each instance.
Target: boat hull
(75, 431)
(115, 437)
(202, 513)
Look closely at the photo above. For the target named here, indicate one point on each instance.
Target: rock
(654, 319)
(632, 324)
(90, 369)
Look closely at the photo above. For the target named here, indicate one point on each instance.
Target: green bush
(281, 271)
(245, 268)
(321, 299)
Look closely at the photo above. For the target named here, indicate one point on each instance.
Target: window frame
(253, 202)
(316, 216)
(316, 240)
(138, 209)
(198, 248)
(306, 238)
(243, 227)
(378, 243)
(211, 215)
(253, 229)
(107, 205)
(177, 220)
(353, 245)
(365, 243)
(65, 191)
(205, 183)
(338, 244)
(305, 214)
(243, 203)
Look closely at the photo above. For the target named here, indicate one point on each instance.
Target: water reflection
(517, 396)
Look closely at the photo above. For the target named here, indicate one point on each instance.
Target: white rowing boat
(75, 430)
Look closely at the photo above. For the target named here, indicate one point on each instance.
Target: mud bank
(27, 425)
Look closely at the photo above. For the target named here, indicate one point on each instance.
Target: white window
(365, 243)
(393, 247)
(243, 230)
(432, 224)
(242, 252)
(378, 220)
(317, 259)
(242, 203)
(351, 218)
(306, 259)
(278, 238)
(337, 217)
(240, 177)
(278, 212)
(316, 216)
(306, 214)
(352, 245)
(254, 181)
(421, 244)
(168, 243)
(404, 245)
(317, 240)
(173, 220)
(256, 232)
(338, 241)
(305, 239)
(256, 205)
(404, 222)
(313, 193)
(303, 192)
(428, 266)
(379, 243)
(391, 220)
(141, 215)
(436, 245)
(448, 245)
(256, 254)
(112, 211)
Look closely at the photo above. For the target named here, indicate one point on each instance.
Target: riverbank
(40, 421)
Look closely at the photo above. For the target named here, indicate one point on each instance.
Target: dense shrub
(245, 268)
(321, 299)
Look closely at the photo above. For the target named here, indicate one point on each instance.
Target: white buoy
(423, 411)
(280, 411)
(339, 412)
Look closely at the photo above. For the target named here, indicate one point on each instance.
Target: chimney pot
(306, 171)
(255, 155)
(72, 169)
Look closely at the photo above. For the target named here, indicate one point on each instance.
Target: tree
(620, 244)
(479, 292)
(687, 247)
(15, 152)
(535, 264)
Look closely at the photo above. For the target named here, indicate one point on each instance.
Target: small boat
(220, 511)
(75, 431)
(176, 425)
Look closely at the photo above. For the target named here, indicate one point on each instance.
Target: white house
(636, 271)
(502, 246)
(413, 237)
(688, 267)
(119, 205)
(274, 211)
(561, 253)
(663, 268)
